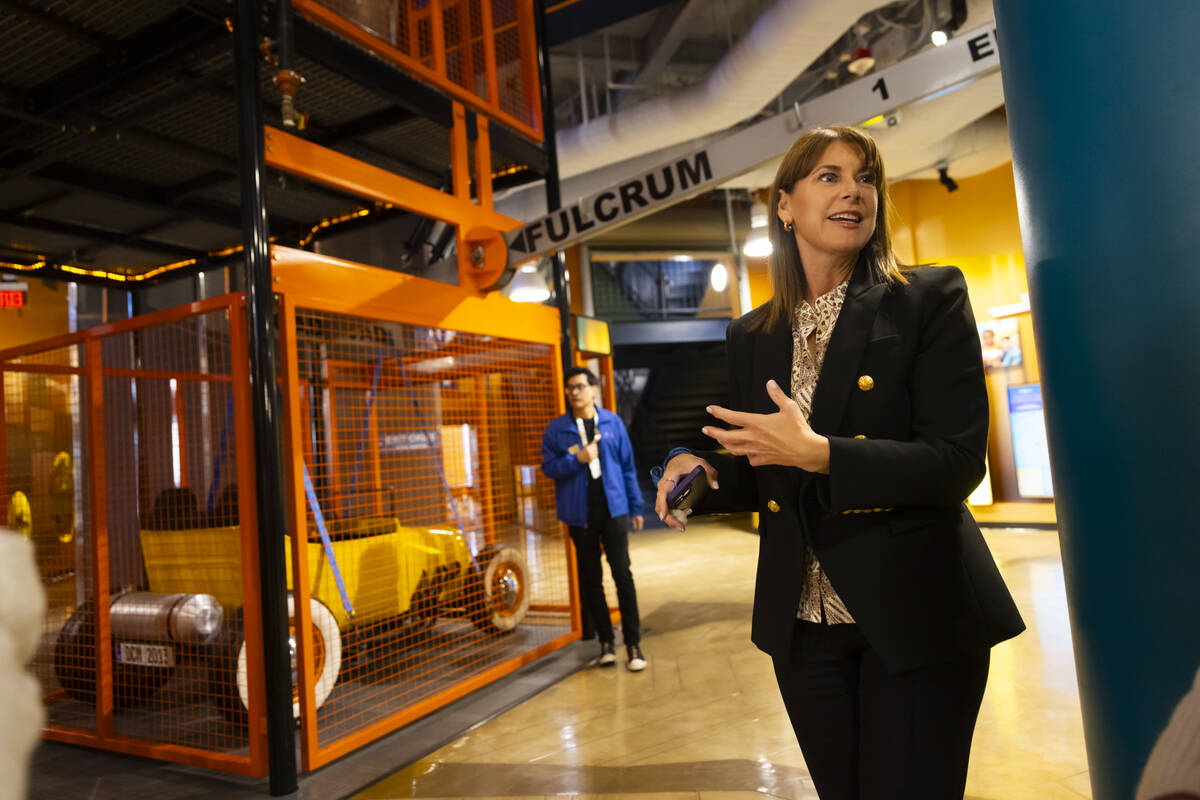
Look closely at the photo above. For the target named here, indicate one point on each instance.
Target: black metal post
(553, 192)
(285, 46)
(260, 307)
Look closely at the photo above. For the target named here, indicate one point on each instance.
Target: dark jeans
(868, 735)
(613, 536)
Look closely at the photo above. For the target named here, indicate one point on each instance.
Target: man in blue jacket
(587, 453)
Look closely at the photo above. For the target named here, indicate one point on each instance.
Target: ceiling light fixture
(939, 38)
(719, 277)
(861, 62)
(528, 286)
(757, 246)
(758, 214)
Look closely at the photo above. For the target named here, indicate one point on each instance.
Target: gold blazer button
(860, 436)
(772, 505)
(866, 383)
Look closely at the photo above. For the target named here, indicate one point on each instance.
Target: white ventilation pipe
(781, 44)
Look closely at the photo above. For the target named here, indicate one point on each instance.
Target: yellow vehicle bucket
(381, 562)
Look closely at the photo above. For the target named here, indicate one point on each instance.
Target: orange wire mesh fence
(118, 444)
(431, 560)
(433, 556)
(481, 52)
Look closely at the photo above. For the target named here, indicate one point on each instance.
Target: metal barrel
(182, 618)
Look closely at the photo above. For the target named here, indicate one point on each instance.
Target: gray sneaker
(637, 661)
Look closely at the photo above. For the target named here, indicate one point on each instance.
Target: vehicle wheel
(75, 665)
(227, 669)
(500, 594)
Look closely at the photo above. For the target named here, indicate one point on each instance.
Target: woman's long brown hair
(787, 273)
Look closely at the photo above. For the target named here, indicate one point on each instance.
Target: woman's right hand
(675, 470)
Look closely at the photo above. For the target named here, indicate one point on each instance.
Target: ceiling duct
(781, 44)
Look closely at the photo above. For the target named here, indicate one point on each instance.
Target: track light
(945, 180)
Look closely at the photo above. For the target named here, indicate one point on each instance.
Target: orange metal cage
(482, 53)
(412, 426)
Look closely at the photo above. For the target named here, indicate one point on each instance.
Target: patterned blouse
(818, 595)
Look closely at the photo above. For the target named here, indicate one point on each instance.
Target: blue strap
(319, 518)
(216, 478)
(362, 442)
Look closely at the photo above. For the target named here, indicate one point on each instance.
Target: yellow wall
(44, 314)
(976, 230)
(760, 282)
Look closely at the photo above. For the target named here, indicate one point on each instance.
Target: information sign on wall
(1030, 449)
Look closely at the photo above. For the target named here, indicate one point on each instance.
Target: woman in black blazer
(876, 596)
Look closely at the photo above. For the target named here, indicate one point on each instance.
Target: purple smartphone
(688, 491)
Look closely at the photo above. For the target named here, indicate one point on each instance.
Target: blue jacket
(570, 477)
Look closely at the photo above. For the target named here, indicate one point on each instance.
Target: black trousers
(611, 535)
(868, 735)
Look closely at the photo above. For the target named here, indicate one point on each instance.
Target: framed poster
(1000, 342)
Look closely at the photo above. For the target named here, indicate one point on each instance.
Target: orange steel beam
(460, 167)
(162, 374)
(98, 503)
(382, 294)
(43, 369)
(484, 432)
(248, 521)
(313, 10)
(373, 453)
(298, 524)
(320, 164)
(179, 754)
(560, 407)
(610, 384)
(483, 162)
(353, 741)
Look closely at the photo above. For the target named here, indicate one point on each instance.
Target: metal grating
(150, 166)
(117, 20)
(207, 120)
(24, 46)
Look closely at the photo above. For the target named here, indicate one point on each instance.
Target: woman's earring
(787, 226)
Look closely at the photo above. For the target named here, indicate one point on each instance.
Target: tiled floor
(704, 720)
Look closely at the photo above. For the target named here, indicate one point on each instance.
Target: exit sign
(13, 295)
(12, 298)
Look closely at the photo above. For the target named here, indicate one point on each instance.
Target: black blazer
(903, 401)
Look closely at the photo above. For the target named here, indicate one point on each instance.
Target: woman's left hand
(783, 438)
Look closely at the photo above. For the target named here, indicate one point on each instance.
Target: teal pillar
(1104, 112)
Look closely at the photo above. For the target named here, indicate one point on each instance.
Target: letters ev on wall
(961, 61)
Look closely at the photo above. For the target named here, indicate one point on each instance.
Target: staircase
(670, 410)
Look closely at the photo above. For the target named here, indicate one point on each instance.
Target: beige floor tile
(704, 721)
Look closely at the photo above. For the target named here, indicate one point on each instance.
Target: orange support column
(298, 526)
(98, 502)
(483, 162)
(438, 34)
(248, 523)
(459, 159)
(610, 384)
